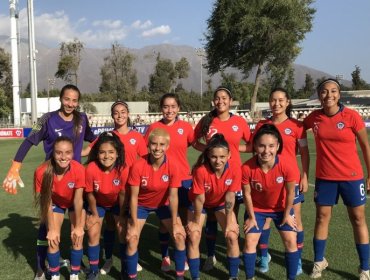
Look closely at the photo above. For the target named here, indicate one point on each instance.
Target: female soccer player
(66, 121)
(234, 129)
(154, 181)
(59, 185)
(181, 135)
(295, 139)
(215, 182)
(135, 147)
(106, 177)
(339, 172)
(268, 181)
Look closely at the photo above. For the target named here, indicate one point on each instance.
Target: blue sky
(340, 38)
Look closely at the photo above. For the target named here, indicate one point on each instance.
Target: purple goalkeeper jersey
(48, 128)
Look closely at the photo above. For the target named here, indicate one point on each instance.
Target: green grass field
(18, 233)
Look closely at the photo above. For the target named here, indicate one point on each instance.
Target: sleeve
(80, 176)
(89, 135)
(37, 180)
(198, 182)
(236, 184)
(358, 123)
(124, 178)
(301, 132)
(246, 173)
(257, 127)
(246, 130)
(190, 134)
(89, 178)
(134, 177)
(38, 133)
(307, 122)
(146, 136)
(289, 173)
(197, 130)
(174, 175)
(142, 149)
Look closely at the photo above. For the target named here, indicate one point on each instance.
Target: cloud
(160, 30)
(107, 23)
(139, 25)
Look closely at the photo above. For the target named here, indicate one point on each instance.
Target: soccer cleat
(318, 267)
(55, 277)
(93, 275)
(209, 263)
(106, 267)
(73, 277)
(139, 267)
(299, 270)
(186, 267)
(233, 278)
(364, 274)
(40, 277)
(264, 264)
(166, 263)
(258, 260)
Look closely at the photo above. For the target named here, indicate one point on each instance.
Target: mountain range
(92, 59)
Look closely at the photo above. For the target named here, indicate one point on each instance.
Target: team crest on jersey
(228, 182)
(71, 185)
(96, 186)
(165, 178)
(340, 125)
(315, 127)
(279, 179)
(116, 182)
(235, 128)
(180, 131)
(144, 182)
(207, 187)
(257, 186)
(288, 131)
(132, 141)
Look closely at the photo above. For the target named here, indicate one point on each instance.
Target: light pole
(200, 53)
(51, 82)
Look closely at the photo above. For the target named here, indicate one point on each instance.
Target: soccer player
(59, 184)
(66, 121)
(106, 177)
(135, 147)
(154, 181)
(215, 182)
(181, 135)
(234, 128)
(268, 181)
(295, 139)
(339, 172)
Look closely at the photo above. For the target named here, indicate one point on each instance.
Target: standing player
(235, 129)
(66, 121)
(59, 183)
(181, 135)
(154, 181)
(135, 147)
(106, 177)
(339, 172)
(295, 139)
(268, 187)
(214, 185)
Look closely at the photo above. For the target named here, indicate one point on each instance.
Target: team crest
(71, 185)
(228, 182)
(116, 182)
(180, 131)
(165, 178)
(279, 179)
(132, 141)
(96, 186)
(235, 128)
(207, 187)
(288, 131)
(340, 125)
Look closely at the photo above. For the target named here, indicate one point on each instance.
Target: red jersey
(181, 136)
(154, 184)
(106, 186)
(234, 129)
(291, 131)
(268, 189)
(335, 138)
(134, 144)
(206, 182)
(63, 190)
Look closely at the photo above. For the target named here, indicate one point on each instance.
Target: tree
(163, 78)
(182, 68)
(117, 73)
(308, 88)
(69, 62)
(289, 81)
(357, 82)
(256, 33)
(6, 92)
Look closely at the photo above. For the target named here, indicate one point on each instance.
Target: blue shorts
(183, 192)
(327, 192)
(102, 210)
(162, 212)
(277, 217)
(58, 209)
(298, 196)
(205, 210)
(239, 197)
